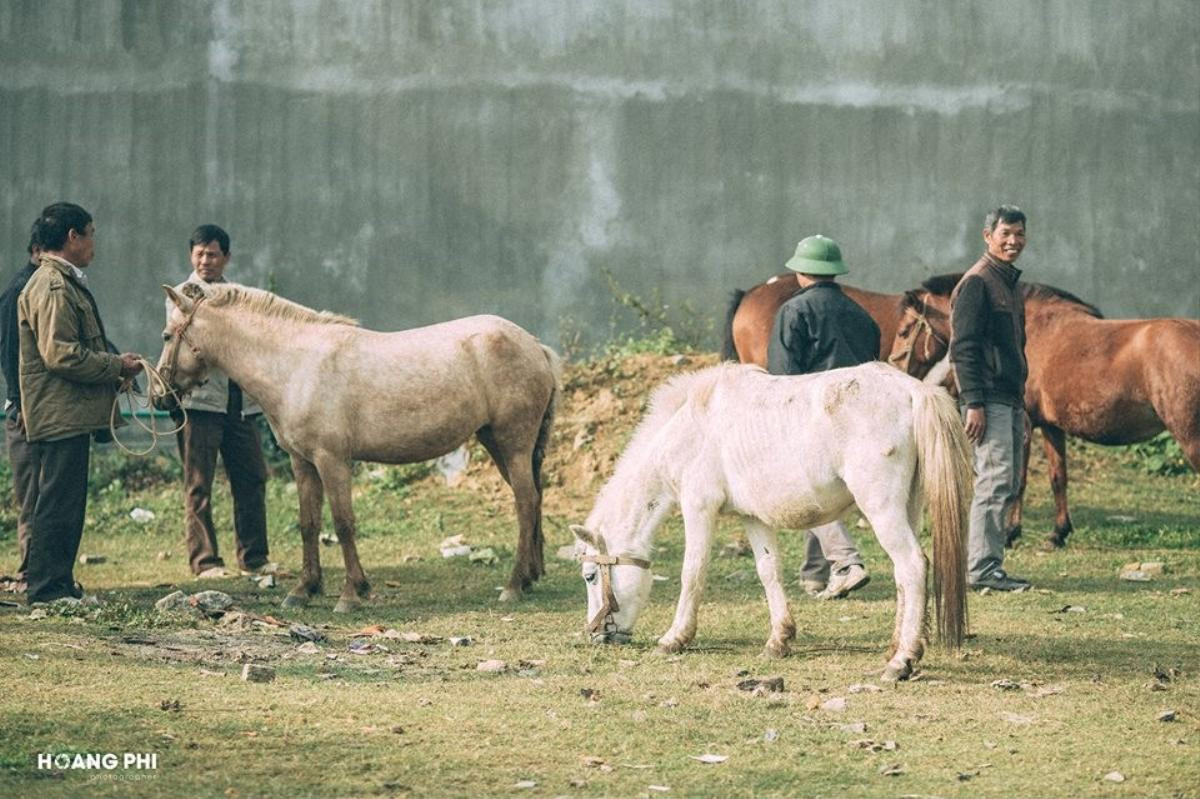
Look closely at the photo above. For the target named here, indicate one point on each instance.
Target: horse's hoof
(295, 601)
(345, 605)
(774, 651)
(1014, 534)
(1052, 544)
(510, 595)
(897, 673)
(671, 647)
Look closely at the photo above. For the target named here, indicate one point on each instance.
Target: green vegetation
(1091, 661)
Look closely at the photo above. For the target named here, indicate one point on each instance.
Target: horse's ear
(587, 536)
(181, 302)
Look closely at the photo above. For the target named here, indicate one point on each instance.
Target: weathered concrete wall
(407, 162)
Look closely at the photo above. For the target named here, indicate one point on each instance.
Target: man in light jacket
(220, 421)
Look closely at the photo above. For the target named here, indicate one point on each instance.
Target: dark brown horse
(1106, 381)
(1109, 381)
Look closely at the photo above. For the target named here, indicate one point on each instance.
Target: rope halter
(168, 371)
(603, 623)
(903, 360)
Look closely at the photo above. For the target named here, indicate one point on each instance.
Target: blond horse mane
(625, 487)
(267, 304)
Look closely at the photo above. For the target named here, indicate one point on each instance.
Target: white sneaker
(842, 583)
(266, 568)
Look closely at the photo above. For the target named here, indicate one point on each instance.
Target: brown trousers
(206, 435)
(59, 498)
(23, 459)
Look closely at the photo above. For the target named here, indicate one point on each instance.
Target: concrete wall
(407, 162)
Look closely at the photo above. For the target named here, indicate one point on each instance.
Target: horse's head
(617, 588)
(923, 335)
(180, 365)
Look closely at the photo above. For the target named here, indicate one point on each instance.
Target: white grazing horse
(785, 452)
(334, 392)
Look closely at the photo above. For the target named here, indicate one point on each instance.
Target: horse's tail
(728, 349)
(539, 457)
(543, 436)
(944, 458)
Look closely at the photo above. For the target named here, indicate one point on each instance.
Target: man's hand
(976, 424)
(131, 364)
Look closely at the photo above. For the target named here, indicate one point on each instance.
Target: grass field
(1056, 688)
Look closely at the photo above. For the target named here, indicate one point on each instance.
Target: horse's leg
(335, 474)
(528, 565)
(517, 470)
(1054, 441)
(311, 493)
(766, 558)
(894, 527)
(698, 521)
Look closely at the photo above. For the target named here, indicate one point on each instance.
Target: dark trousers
(23, 459)
(56, 524)
(206, 435)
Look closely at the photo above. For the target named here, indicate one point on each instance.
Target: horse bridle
(603, 622)
(902, 360)
(173, 359)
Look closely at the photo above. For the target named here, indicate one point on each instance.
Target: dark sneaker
(999, 580)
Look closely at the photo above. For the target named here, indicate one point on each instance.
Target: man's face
(80, 248)
(208, 261)
(1006, 241)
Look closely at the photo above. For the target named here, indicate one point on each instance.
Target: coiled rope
(153, 380)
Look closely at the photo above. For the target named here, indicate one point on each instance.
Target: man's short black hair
(35, 236)
(206, 233)
(1008, 214)
(59, 219)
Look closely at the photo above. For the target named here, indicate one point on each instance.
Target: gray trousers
(997, 478)
(828, 548)
(24, 459)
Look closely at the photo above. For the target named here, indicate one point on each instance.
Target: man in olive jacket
(68, 383)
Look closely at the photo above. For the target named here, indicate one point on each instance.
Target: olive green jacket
(68, 378)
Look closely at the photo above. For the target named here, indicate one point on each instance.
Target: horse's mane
(268, 304)
(644, 445)
(943, 285)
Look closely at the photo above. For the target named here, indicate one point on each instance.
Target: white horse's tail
(944, 457)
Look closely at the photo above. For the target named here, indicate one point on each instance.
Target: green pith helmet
(817, 255)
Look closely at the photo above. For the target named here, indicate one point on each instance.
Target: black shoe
(998, 580)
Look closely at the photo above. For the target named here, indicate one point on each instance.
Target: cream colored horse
(785, 452)
(334, 392)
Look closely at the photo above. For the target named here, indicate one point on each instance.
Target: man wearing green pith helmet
(821, 328)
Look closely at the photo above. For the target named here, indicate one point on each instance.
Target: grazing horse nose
(612, 637)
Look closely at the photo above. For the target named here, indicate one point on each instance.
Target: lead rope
(153, 379)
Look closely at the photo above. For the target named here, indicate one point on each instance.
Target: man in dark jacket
(821, 328)
(987, 349)
(21, 456)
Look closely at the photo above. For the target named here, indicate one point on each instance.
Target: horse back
(755, 314)
(783, 448)
(1113, 381)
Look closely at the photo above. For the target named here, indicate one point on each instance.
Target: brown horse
(1109, 381)
(335, 392)
(751, 314)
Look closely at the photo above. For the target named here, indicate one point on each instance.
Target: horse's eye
(166, 336)
(590, 577)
